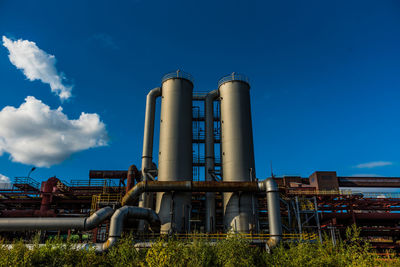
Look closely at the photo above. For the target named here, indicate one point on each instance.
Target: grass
(232, 251)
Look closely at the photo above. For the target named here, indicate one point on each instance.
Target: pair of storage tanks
(175, 152)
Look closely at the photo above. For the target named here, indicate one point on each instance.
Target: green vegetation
(233, 251)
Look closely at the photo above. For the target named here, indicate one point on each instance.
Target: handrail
(178, 74)
(27, 181)
(233, 77)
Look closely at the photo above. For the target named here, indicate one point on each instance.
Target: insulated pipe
(269, 186)
(148, 137)
(117, 223)
(274, 214)
(210, 157)
(25, 224)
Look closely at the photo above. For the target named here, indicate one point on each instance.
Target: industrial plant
(203, 185)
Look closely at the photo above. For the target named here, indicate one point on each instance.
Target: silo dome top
(178, 74)
(233, 77)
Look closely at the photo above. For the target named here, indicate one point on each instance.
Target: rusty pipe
(186, 186)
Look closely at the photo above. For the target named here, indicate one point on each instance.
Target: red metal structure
(314, 204)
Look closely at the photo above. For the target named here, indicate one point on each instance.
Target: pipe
(274, 211)
(132, 174)
(269, 186)
(210, 157)
(86, 223)
(47, 196)
(117, 223)
(186, 186)
(148, 137)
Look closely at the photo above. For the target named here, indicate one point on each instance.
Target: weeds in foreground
(233, 251)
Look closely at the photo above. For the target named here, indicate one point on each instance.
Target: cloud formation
(4, 179)
(36, 135)
(36, 64)
(373, 164)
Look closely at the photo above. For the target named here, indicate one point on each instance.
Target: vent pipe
(210, 157)
(146, 200)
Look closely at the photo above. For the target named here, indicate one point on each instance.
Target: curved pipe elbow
(211, 96)
(117, 223)
(134, 193)
(154, 93)
(98, 217)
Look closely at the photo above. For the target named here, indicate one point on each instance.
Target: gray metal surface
(210, 157)
(269, 186)
(117, 223)
(237, 151)
(274, 211)
(175, 151)
(147, 155)
(86, 223)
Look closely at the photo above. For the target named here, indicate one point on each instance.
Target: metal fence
(233, 77)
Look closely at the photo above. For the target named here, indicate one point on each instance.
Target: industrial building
(205, 184)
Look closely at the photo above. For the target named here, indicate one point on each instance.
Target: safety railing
(199, 95)
(250, 237)
(5, 186)
(178, 74)
(90, 182)
(379, 194)
(233, 77)
(26, 181)
(347, 192)
(104, 199)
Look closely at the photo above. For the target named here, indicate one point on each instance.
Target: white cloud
(373, 164)
(37, 135)
(4, 179)
(36, 64)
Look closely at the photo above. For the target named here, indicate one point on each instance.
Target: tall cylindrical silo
(175, 150)
(237, 151)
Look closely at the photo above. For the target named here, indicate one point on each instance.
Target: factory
(204, 184)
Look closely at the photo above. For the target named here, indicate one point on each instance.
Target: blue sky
(325, 77)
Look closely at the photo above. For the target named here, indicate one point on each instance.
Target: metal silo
(175, 150)
(237, 151)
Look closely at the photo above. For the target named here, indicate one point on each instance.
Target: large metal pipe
(210, 157)
(86, 223)
(237, 151)
(148, 137)
(274, 213)
(132, 175)
(117, 223)
(269, 186)
(146, 200)
(175, 150)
